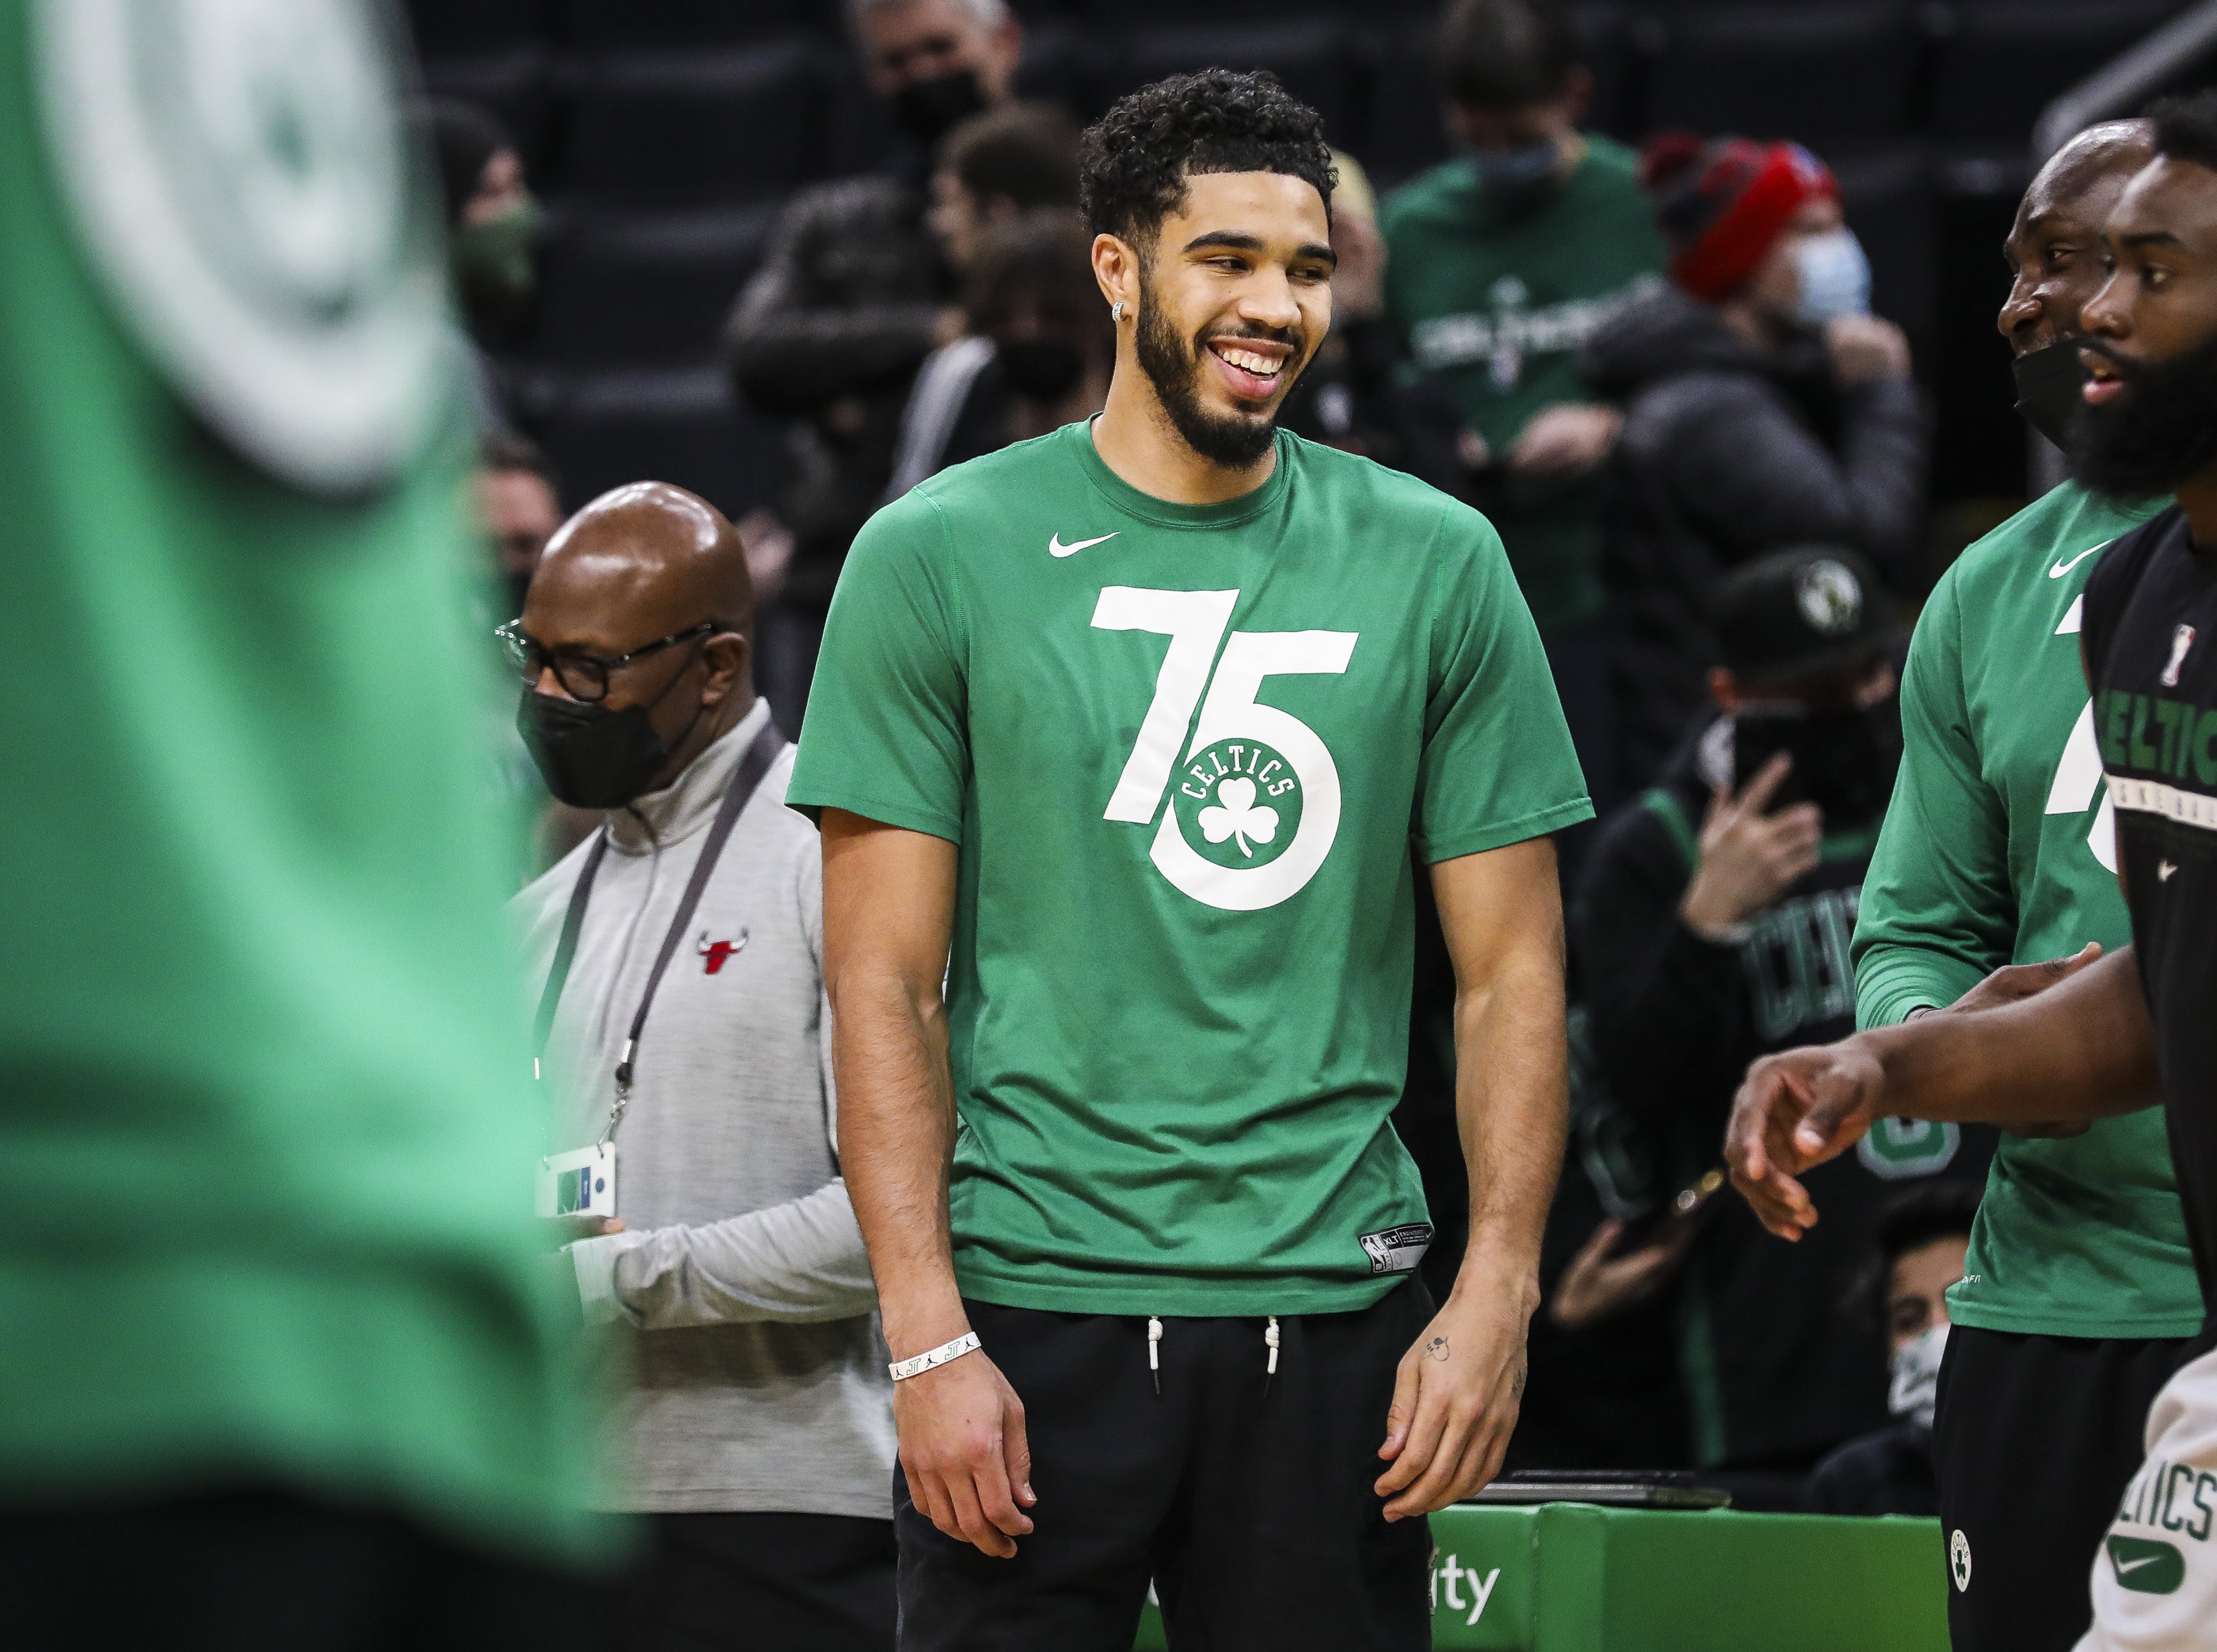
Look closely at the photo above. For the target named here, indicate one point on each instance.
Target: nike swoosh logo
(1056, 547)
(2062, 567)
(2164, 868)
(2124, 1566)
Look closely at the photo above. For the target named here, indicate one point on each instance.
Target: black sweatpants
(2033, 1442)
(753, 1583)
(1250, 1507)
(267, 1569)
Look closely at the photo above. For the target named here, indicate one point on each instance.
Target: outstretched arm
(2084, 1048)
(888, 916)
(1456, 1394)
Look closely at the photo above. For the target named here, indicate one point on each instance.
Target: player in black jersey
(2142, 1022)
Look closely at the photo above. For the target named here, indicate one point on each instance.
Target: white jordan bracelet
(904, 1369)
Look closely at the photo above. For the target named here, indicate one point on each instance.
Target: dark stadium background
(663, 136)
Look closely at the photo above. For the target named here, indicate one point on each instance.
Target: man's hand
(1795, 1111)
(962, 1447)
(1569, 439)
(1749, 859)
(1865, 348)
(1455, 1398)
(2015, 981)
(1597, 1286)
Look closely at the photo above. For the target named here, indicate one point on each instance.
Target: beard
(1174, 367)
(2162, 431)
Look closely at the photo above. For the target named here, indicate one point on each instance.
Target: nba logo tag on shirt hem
(1398, 1250)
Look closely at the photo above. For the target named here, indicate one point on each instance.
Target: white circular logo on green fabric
(236, 169)
(1238, 803)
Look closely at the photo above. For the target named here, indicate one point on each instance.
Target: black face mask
(2160, 432)
(1843, 761)
(1041, 369)
(928, 109)
(2048, 380)
(592, 758)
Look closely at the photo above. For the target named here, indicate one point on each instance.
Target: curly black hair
(2186, 127)
(1134, 161)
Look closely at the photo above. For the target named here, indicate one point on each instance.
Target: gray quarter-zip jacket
(757, 1379)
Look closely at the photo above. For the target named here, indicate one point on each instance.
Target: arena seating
(663, 136)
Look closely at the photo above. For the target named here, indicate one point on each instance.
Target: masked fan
(1765, 406)
(1715, 919)
(1918, 1254)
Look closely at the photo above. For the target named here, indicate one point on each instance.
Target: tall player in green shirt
(1999, 850)
(1150, 724)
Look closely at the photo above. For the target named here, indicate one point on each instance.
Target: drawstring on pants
(1155, 1352)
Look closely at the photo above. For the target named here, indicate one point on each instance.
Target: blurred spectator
(283, 1368)
(1504, 261)
(1922, 1235)
(996, 165)
(1348, 397)
(513, 502)
(1712, 928)
(1043, 345)
(851, 298)
(993, 169)
(755, 1426)
(512, 492)
(493, 232)
(1764, 408)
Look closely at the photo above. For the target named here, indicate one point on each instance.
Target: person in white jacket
(683, 1022)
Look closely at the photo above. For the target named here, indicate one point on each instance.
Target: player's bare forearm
(2082, 1049)
(888, 910)
(1456, 1394)
(1503, 920)
(888, 914)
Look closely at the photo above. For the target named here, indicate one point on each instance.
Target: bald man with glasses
(677, 957)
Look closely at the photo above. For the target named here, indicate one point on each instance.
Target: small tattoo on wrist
(1436, 1348)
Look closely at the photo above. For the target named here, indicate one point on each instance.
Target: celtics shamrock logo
(1238, 802)
(1236, 815)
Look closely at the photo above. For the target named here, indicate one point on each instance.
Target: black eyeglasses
(581, 676)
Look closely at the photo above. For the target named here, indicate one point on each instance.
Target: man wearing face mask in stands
(1713, 926)
(1764, 408)
(492, 231)
(851, 298)
(1502, 262)
(755, 1422)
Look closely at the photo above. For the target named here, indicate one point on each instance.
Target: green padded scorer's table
(1573, 1577)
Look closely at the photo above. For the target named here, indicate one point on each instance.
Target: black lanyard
(765, 750)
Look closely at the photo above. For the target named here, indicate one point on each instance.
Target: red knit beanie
(1721, 205)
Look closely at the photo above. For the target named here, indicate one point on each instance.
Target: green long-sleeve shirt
(1998, 848)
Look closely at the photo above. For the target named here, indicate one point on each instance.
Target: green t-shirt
(1498, 305)
(263, 1106)
(1997, 849)
(1187, 752)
